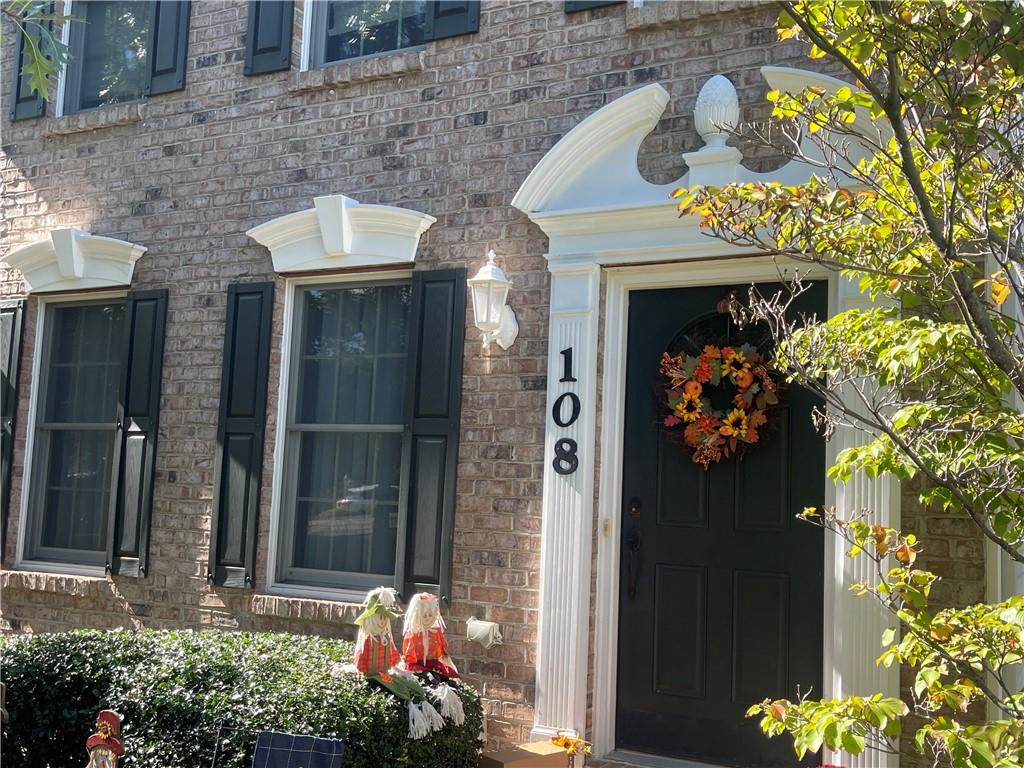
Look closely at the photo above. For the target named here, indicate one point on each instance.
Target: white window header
(73, 260)
(338, 232)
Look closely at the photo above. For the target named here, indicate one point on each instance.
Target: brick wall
(451, 130)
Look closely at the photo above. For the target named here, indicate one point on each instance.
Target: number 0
(556, 409)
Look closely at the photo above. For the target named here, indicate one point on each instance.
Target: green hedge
(178, 690)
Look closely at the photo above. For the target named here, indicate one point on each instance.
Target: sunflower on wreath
(719, 399)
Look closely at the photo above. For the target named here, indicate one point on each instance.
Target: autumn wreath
(719, 400)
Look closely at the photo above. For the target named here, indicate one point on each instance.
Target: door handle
(633, 561)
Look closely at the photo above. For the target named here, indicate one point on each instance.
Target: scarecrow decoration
(424, 644)
(376, 652)
(104, 746)
(377, 658)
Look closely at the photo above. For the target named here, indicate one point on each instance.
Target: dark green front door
(721, 590)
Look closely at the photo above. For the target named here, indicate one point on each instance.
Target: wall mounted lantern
(492, 315)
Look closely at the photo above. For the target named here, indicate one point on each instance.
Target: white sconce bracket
(508, 330)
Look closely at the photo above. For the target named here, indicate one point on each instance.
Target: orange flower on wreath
(702, 372)
(707, 424)
(692, 387)
(734, 424)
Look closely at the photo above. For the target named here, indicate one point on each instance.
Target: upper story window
(122, 50)
(346, 30)
(107, 54)
(349, 29)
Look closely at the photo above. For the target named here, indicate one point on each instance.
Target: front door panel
(721, 590)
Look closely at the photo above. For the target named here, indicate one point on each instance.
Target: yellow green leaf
(1000, 290)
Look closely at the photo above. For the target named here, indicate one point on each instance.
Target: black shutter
(168, 45)
(571, 6)
(25, 103)
(268, 38)
(10, 355)
(433, 401)
(448, 18)
(138, 412)
(243, 407)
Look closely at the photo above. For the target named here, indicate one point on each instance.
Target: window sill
(81, 122)
(356, 70)
(309, 604)
(80, 581)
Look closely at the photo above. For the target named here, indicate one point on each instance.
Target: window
(345, 434)
(111, 48)
(75, 431)
(372, 432)
(347, 29)
(96, 405)
(123, 50)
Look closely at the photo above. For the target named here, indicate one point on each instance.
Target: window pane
(353, 345)
(346, 514)
(113, 61)
(76, 490)
(363, 28)
(84, 370)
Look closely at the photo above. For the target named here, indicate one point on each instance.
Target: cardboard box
(535, 754)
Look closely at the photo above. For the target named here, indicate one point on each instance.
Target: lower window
(344, 442)
(80, 373)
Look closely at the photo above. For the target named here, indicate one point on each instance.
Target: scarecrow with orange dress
(424, 644)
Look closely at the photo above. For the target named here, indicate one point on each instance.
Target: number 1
(567, 365)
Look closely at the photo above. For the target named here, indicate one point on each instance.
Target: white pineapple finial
(717, 111)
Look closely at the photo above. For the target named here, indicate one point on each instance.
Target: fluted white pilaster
(568, 502)
(854, 625)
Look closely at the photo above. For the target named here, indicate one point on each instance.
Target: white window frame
(279, 479)
(22, 562)
(65, 39)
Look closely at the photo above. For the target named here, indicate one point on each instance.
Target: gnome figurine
(424, 645)
(104, 746)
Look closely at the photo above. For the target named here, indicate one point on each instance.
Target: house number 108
(566, 461)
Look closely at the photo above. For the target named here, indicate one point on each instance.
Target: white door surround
(605, 223)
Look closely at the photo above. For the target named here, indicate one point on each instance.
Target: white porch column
(568, 502)
(856, 624)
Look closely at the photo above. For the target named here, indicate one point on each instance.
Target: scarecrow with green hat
(376, 652)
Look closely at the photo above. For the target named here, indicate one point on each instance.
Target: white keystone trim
(73, 260)
(339, 233)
